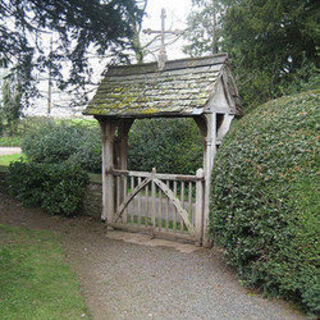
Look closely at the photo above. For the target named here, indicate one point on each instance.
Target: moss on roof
(184, 87)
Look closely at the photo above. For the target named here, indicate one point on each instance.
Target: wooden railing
(165, 205)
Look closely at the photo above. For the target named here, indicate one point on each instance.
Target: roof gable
(183, 88)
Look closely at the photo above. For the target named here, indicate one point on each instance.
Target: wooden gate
(163, 205)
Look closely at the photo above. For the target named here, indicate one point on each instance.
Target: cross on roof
(163, 53)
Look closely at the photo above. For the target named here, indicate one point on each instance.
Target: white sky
(176, 11)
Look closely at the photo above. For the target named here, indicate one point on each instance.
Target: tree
(204, 27)
(269, 41)
(78, 25)
(11, 104)
(145, 46)
(136, 26)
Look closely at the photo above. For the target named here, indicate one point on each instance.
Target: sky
(176, 12)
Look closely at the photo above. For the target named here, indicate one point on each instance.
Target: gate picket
(188, 216)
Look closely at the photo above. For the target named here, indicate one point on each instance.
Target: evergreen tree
(11, 104)
(269, 42)
(136, 26)
(204, 27)
(26, 27)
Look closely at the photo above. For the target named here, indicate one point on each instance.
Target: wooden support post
(108, 128)
(210, 152)
(208, 127)
(199, 208)
(123, 132)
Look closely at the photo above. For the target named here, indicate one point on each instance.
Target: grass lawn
(35, 281)
(10, 141)
(5, 160)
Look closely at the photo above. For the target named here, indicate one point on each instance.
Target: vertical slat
(174, 211)
(167, 209)
(153, 204)
(118, 183)
(190, 201)
(139, 205)
(125, 193)
(133, 207)
(199, 208)
(182, 204)
(160, 210)
(146, 213)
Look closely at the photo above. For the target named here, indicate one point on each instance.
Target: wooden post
(199, 207)
(123, 132)
(207, 125)
(210, 152)
(108, 128)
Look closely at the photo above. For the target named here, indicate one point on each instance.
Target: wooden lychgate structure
(166, 205)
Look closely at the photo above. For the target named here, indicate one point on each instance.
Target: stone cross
(163, 52)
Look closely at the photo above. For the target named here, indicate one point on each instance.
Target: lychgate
(166, 205)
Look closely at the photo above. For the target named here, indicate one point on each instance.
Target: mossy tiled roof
(183, 88)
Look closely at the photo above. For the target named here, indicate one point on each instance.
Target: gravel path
(127, 281)
(9, 150)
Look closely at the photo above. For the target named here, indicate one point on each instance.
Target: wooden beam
(108, 127)
(123, 132)
(210, 149)
(154, 233)
(161, 176)
(207, 124)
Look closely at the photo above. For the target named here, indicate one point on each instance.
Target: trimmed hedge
(60, 189)
(172, 146)
(265, 207)
(59, 142)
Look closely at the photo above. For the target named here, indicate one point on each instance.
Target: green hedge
(10, 141)
(58, 188)
(172, 146)
(266, 199)
(64, 142)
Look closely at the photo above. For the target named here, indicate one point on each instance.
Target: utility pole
(49, 97)
(214, 31)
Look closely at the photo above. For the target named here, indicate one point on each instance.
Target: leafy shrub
(9, 141)
(265, 207)
(169, 145)
(305, 78)
(64, 142)
(59, 188)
